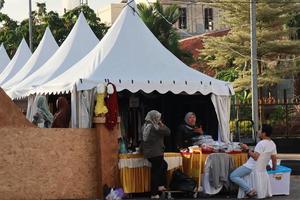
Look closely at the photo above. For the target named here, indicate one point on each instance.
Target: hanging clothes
(113, 108)
(100, 108)
(40, 113)
(63, 114)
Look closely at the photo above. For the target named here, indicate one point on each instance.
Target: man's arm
(253, 154)
(274, 161)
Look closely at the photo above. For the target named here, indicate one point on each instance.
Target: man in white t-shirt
(265, 145)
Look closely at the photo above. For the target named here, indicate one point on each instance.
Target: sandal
(155, 196)
(252, 193)
(162, 188)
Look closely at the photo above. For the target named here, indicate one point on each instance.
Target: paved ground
(294, 192)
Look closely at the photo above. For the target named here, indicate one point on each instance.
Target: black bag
(182, 182)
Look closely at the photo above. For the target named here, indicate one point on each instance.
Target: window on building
(208, 19)
(182, 19)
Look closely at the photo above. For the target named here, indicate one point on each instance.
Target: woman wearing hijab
(187, 131)
(152, 147)
(63, 114)
(40, 113)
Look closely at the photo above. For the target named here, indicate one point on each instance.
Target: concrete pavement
(294, 193)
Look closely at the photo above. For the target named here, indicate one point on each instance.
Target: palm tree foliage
(160, 20)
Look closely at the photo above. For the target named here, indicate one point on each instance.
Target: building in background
(71, 4)
(196, 17)
(108, 14)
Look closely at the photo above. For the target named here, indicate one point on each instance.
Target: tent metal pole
(254, 65)
(30, 26)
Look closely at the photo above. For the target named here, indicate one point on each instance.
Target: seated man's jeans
(237, 177)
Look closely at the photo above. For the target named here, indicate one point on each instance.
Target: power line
(246, 2)
(156, 11)
(226, 46)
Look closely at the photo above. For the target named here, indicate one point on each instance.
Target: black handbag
(182, 182)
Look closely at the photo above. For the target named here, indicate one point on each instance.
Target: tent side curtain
(222, 108)
(29, 114)
(74, 108)
(82, 108)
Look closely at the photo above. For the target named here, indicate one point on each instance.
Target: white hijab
(152, 119)
(40, 105)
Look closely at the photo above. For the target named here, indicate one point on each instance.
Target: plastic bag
(115, 194)
(122, 146)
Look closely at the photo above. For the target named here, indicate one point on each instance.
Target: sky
(18, 9)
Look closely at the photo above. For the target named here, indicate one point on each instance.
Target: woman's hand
(244, 146)
(198, 130)
(160, 124)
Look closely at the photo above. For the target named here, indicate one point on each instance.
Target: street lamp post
(254, 65)
(30, 26)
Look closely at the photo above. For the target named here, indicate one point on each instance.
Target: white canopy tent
(21, 56)
(44, 51)
(132, 58)
(79, 42)
(4, 59)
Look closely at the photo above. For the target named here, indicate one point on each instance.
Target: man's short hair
(265, 128)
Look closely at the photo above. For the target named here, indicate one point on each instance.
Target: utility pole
(30, 27)
(254, 65)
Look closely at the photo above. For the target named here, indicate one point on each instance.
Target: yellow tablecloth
(135, 178)
(192, 165)
(135, 171)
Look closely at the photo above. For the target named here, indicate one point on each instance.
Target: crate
(280, 180)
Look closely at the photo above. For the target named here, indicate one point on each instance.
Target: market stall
(135, 170)
(130, 57)
(133, 60)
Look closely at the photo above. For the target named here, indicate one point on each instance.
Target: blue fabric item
(280, 169)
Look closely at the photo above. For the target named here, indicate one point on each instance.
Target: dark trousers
(158, 173)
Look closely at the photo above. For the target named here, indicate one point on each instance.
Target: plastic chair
(259, 178)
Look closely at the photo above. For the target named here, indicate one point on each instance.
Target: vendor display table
(135, 171)
(191, 161)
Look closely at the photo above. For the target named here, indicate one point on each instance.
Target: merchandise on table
(208, 145)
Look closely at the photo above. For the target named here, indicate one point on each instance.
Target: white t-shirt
(262, 147)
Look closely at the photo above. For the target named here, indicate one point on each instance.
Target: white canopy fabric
(44, 51)
(4, 59)
(21, 56)
(131, 57)
(79, 42)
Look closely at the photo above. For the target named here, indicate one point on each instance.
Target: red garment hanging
(113, 108)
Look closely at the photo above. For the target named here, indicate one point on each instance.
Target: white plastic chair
(259, 178)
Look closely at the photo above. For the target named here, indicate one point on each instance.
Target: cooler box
(280, 180)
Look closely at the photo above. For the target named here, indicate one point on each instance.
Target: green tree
(60, 26)
(275, 49)
(160, 21)
(71, 16)
(8, 34)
